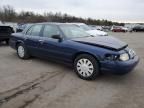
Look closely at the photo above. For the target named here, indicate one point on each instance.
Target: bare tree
(8, 13)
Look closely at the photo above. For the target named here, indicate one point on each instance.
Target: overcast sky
(115, 10)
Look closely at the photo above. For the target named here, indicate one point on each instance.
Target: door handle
(26, 38)
(41, 41)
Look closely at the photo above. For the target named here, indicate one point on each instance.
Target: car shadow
(52, 62)
(103, 78)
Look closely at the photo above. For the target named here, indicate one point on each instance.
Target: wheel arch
(18, 42)
(79, 53)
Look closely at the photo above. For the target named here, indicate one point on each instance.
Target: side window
(34, 30)
(50, 30)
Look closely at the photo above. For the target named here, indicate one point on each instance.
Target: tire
(7, 42)
(22, 51)
(86, 67)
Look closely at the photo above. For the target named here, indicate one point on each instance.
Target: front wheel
(22, 52)
(86, 67)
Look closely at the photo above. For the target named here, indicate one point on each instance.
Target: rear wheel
(86, 67)
(7, 42)
(22, 51)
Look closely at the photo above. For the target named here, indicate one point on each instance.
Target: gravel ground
(37, 83)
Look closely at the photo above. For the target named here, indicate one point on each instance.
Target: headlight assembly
(111, 57)
(124, 57)
(121, 57)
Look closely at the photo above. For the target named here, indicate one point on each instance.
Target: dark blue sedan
(89, 55)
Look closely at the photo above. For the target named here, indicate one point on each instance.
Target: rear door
(32, 39)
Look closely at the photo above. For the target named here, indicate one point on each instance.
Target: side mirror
(57, 37)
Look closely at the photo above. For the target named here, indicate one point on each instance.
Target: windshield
(72, 31)
(85, 27)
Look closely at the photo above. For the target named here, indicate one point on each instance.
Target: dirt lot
(39, 83)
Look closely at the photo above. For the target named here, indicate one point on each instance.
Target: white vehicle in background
(99, 28)
(89, 30)
(0, 23)
(125, 28)
(12, 25)
(96, 27)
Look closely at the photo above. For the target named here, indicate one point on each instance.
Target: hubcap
(21, 51)
(85, 67)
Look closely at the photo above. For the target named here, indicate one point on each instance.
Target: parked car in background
(0, 23)
(138, 28)
(89, 30)
(21, 27)
(5, 32)
(11, 24)
(119, 29)
(99, 28)
(89, 55)
(96, 27)
(106, 28)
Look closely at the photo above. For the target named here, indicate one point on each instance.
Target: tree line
(8, 14)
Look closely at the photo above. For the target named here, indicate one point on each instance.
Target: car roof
(57, 23)
(43, 23)
(52, 23)
(79, 24)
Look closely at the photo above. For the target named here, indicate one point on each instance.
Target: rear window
(34, 30)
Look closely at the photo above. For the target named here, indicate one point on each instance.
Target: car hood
(108, 42)
(97, 33)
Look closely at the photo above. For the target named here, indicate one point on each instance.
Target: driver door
(50, 47)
